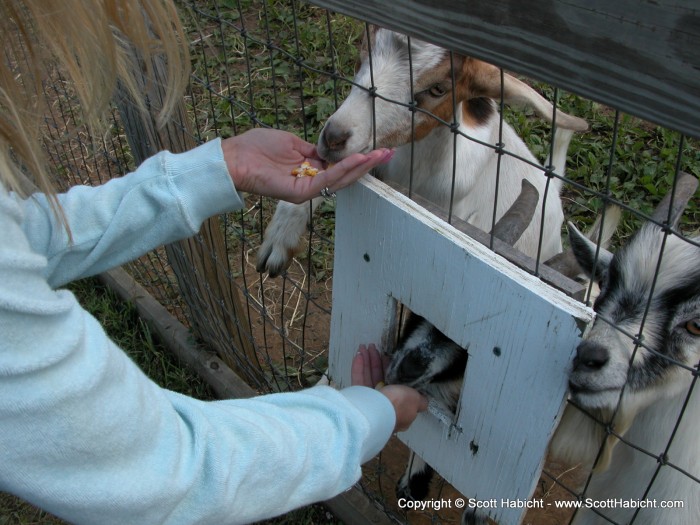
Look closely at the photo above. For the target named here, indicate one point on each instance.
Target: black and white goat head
(636, 371)
(407, 94)
(433, 364)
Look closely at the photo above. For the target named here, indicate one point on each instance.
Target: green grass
(14, 511)
(642, 169)
(268, 63)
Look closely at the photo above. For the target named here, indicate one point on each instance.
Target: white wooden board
(520, 333)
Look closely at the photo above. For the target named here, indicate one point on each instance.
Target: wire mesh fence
(290, 65)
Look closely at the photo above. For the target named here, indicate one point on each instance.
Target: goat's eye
(693, 326)
(437, 91)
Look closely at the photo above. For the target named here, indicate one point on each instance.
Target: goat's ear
(517, 93)
(369, 37)
(566, 262)
(486, 82)
(585, 252)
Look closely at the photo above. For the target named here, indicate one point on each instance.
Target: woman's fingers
(376, 367)
(407, 402)
(350, 169)
(368, 370)
(367, 367)
(357, 371)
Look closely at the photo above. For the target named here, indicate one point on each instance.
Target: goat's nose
(334, 138)
(590, 356)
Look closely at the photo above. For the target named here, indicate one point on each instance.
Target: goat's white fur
(647, 414)
(475, 183)
(364, 117)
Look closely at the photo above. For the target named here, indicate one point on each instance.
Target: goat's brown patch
(369, 39)
(476, 106)
(484, 80)
(477, 111)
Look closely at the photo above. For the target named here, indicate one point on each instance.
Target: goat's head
(610, 365)
(426, 357)
(398, 78)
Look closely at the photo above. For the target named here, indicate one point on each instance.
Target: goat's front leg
(414, 485)
(415, 482)
(474, 517)
(283, 236)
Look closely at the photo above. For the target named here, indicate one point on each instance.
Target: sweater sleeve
(166, 199)
(87, 436)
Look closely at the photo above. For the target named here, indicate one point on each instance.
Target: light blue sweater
(87, 436)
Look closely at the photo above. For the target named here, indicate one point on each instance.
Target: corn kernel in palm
(305, 170)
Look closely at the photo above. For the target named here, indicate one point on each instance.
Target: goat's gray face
(427, 360)
(606, 360)
(364, 118)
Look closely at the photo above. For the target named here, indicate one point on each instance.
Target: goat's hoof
(474, 517)
(414, 488)
(273, 259)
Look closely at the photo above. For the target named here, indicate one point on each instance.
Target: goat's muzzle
(590, 357)
(333, 139)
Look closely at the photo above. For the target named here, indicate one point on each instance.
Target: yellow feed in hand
(305, 170)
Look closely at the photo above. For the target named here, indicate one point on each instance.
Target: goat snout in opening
(590, 356)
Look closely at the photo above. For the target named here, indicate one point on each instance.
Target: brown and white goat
(404, 96)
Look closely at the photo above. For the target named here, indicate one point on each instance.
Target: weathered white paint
(390, 250)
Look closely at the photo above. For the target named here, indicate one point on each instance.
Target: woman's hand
(368, 370)
(261, 161)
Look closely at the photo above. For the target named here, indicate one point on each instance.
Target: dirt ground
(382, 474)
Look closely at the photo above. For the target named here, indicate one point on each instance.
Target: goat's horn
(515, 221)
(609, 220)
(686, 185)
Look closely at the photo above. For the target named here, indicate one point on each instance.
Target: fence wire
(289, 65)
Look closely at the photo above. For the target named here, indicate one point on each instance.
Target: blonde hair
(95, 44)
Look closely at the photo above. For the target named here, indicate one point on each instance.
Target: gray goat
(635, 371)
(641, 390)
